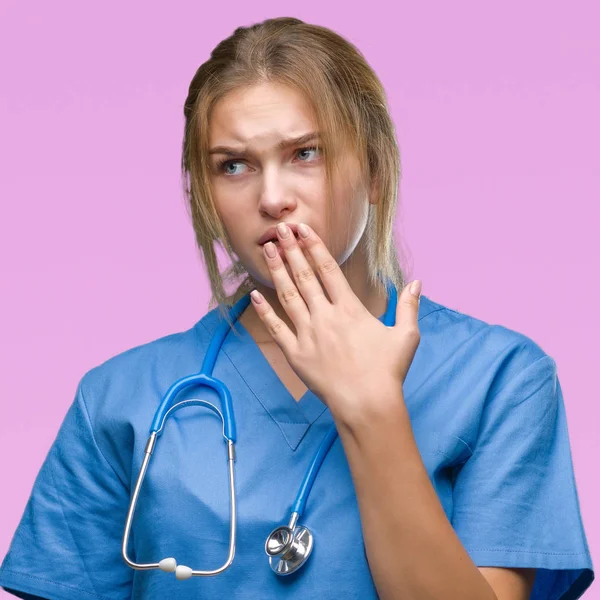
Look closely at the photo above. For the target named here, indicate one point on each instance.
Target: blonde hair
(350, 109)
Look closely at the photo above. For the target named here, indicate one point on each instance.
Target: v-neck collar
(292, 416)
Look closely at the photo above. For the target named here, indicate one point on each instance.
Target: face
(256, 183)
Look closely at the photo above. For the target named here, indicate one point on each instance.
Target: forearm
(412, 549)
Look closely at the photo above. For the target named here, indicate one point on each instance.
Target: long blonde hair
(350, 109)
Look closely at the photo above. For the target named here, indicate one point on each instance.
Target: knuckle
(413, 333)
(275, 327)
(289, 295)
(304, 275)
(328, 266)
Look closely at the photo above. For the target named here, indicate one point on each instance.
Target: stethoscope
(288, 546)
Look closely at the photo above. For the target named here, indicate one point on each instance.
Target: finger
(278, 329)
(287, 292)
(407, 308)
(302, 272)
(329, 271)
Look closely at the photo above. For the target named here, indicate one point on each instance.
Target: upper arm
(510, 584)
(514, 499)
(67, 542)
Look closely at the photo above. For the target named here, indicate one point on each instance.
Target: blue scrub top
(487, 413)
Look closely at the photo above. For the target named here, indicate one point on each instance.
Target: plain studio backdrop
(496, 114)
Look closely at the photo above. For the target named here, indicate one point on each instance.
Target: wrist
(358, 412)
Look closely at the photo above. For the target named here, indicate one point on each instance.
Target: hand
(342, 353)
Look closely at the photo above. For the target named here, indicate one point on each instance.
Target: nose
(277, 198)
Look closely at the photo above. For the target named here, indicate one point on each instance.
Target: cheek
(229, 214)
(350, 214)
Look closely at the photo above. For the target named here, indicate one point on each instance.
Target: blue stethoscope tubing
(205, 378)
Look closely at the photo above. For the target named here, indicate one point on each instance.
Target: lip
(271, 233)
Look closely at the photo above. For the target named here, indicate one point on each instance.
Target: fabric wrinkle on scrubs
(487, 412)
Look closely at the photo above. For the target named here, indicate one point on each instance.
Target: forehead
(260, 116)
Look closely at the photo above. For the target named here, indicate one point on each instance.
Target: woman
(451, 476)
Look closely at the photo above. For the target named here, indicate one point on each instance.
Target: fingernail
(283, 230)
(303, 230)
(415, 288)
(270, 249)
(256, 296)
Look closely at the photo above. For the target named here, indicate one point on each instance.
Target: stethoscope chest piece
(288, 549)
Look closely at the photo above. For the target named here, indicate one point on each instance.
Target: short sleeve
(67, 545)
(515, 500)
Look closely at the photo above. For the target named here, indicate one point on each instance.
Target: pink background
(496, 110)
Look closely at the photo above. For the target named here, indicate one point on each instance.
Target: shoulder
(468, 372)
(453, 336)
(140, 373)
(437, 319)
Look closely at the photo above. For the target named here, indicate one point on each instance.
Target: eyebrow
(286, 143)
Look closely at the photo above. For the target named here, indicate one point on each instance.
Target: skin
(268, 185)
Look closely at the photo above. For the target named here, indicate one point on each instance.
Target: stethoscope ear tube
(170, 564)
(165, 409)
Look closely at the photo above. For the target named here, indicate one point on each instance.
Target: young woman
(446, 468)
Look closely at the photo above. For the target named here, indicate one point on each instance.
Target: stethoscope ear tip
(168, 565)
(183, 572)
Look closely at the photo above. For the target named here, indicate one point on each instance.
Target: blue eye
(222, 165)
(312, 148)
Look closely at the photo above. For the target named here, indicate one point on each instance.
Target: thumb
(407, 309)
